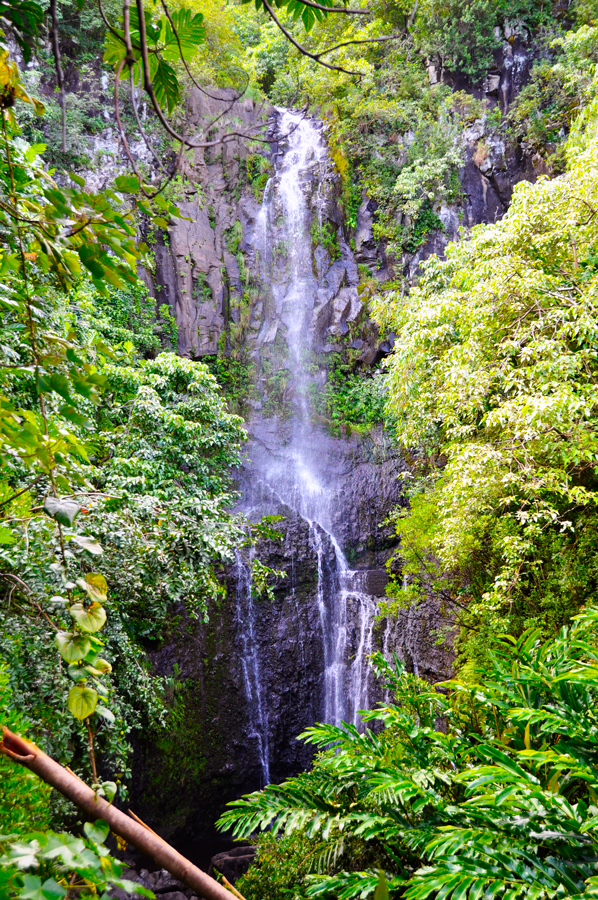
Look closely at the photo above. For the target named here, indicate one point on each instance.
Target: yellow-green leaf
(95, 586)
(82, 701)
(72, 647)
(89, 619)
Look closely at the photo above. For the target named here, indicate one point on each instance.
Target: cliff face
(253, 678)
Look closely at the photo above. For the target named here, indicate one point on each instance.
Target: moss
(258, 171)
(325, 235)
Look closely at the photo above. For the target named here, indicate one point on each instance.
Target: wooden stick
(71, 787)
(231, 887)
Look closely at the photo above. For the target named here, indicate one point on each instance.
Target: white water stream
(295, 474)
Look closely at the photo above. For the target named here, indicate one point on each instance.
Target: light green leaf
(82, 701)
(87, 543)
(105, 713)
(72, 647)
(96, 832)
(90, 619)
(96, 586)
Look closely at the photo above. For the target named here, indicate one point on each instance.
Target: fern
(503, 803)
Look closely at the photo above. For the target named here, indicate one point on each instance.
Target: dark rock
(232, 863)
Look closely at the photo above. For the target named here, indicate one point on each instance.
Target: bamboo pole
(133, 832)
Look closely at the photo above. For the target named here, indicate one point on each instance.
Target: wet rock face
(212, 753)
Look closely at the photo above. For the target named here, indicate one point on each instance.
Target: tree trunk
(135, 833)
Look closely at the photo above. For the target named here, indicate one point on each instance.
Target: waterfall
(290, 467)
(250, 663)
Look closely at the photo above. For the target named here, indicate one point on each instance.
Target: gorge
(298, 479)
(303, 655)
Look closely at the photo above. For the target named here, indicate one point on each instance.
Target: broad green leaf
(90, 619)
(82, 701)
(96, 832)
(63, 511)
(110, 790)
(126, 184)
(105, 713)
(72, 647)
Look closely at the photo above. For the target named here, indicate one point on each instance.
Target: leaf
(63, 511)
(96, 832)
(191, 33)
(106, 714)
(87, 543)
(99, 667)
(77, 673)
(60, 385)
(110, 790)
(6, 536)
(127, 184)
(82, 701)
(72, 647)
(90, 619)
(166, 84)
(95, 586)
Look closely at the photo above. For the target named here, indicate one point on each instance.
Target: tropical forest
(298, 475)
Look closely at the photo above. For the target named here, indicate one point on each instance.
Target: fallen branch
(131, 831)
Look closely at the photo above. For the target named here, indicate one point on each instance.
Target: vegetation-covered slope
(116, 458)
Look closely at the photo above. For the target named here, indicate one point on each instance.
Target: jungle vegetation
(117, 455)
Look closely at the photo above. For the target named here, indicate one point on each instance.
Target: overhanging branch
(133, 832)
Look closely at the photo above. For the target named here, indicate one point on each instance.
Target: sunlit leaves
(89, 618)
(82, 701)
(72, 647)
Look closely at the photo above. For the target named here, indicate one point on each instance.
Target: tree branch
(336, 9)
(302, 49)
(94, 806)
(390, 37)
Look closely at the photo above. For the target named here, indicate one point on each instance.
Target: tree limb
(145, 840)
(390, 37)
(302, 49)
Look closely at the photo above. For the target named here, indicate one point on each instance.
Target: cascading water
(245, 614)
(293, 472)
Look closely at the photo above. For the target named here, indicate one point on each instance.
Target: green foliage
(461, 35)
(169, 325)
(114, 470)
(164, 49)
(486, 788)
(258, 172)
(50, 866)
(352, 399)
(493, 379)
(547, 106)
(24, 799)
(324, 234)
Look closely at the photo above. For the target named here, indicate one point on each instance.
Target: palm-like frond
(504, 805)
